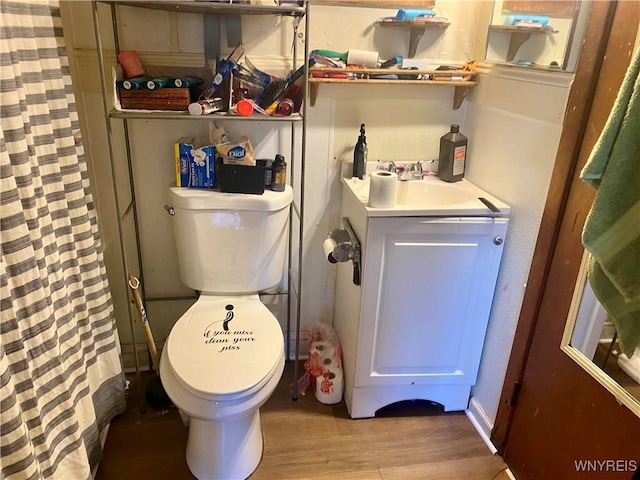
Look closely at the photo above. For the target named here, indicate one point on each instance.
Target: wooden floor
(308, 440)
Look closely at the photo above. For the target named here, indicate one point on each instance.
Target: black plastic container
(453, 155)
(241, 178)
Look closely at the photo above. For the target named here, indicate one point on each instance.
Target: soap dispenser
(360, 154)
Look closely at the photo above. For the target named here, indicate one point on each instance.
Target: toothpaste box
(195, 167)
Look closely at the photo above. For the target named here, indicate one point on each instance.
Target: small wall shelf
(417, 27)
(519, 35)
(462, 80)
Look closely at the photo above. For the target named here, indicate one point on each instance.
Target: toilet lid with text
(225, 345)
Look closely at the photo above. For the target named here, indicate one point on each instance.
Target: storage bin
(176, 99)
(241, 178)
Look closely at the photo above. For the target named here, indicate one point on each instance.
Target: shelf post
(302, 195)
(459, 95)
(516, 41)
(415, 34)
(313, 93)
(110, 147)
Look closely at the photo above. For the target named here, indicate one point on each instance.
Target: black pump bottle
(360, 154)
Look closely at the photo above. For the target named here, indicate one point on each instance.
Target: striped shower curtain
(60, 374)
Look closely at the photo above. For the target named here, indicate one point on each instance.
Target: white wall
(513, 125)
(514, 120)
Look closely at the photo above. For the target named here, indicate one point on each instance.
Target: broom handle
(145, 321)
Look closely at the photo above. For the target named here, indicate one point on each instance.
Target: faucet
(410, 171)
(414, 172)
(399, 170)
(392, 167)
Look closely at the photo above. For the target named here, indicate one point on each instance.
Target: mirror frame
(621, 395)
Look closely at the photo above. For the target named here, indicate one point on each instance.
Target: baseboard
(481, 422)
(510, 474)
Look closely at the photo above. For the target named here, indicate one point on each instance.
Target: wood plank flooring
(308, 440)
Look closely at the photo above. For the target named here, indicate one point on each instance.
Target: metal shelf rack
(213, 13)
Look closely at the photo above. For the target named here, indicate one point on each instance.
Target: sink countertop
(428, 196)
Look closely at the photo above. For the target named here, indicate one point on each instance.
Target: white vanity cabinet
(415, 327)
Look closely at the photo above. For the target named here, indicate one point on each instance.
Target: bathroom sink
(428, 196)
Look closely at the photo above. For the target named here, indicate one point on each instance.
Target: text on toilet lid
(225, 338)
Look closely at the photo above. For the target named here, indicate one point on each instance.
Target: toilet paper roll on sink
(383, 189)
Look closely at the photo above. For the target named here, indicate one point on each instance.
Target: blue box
(195, 167)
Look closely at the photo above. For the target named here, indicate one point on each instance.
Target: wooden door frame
(577, 113)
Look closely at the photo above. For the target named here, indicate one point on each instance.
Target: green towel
(612, 230)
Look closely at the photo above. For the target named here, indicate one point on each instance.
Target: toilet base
(224, 450)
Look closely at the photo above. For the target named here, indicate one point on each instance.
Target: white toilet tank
(230, 243)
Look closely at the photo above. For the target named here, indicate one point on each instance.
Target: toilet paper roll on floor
(327, 354)
(383, 189)
(324, 349)
(329, 386)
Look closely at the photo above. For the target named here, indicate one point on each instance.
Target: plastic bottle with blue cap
(408, 14)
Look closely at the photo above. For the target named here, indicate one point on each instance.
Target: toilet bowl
(222, 360)
(224, 357)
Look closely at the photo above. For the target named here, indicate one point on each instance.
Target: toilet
(224, 357)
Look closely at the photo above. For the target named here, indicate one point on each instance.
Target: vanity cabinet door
(427, 293)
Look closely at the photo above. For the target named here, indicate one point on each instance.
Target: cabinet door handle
(356, 272)
(498, 240)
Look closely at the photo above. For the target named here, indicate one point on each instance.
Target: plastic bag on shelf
(256, 79)
(223, 69)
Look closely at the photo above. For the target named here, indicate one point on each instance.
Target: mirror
(539, 34)
(590, 339)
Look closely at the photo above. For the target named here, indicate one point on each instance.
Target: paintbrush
(277, 89)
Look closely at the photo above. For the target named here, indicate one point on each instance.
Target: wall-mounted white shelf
(417, 27)
(462, 80)
(519, 35)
